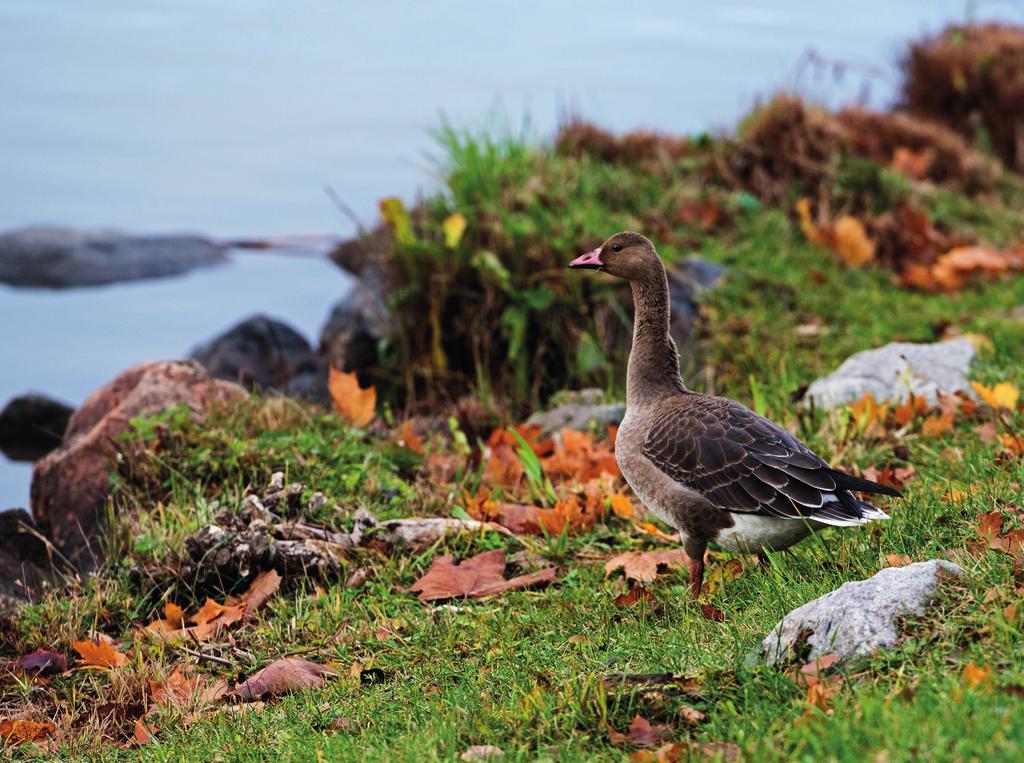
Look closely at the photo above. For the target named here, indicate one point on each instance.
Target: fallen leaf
(100, 653)
(953, 269)
(144, 732)
(869, 415)
(975, 676)
(935, 426)
(356, 405)
(851, 242)
(641, 733)
(633, 595)
(16, 730)
(1013, 444)
(180, 690)
(913, 164)
(1003, 395)
(897, 560)
(643, 566)
(621, 505)
(42, 662)
(263, 586)
(914, 407)
(408, 438)
(712, 613)
(282, 676)
(454, 226)
(476, 577)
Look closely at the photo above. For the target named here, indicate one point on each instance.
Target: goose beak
(590, 261)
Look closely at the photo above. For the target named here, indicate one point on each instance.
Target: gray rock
(259, 352)
(579, 411)
(26, 568)
(64, 257)
(31, 426)
(687, 279)
(858, 617)
(895, 370)
(355, 327)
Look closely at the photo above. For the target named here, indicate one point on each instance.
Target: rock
(687, 280)
(31, 426)
(65, 257)
(579, 411)
(25, 565)
(70, 484)
(259, 352)
(354, 329)
(858, 617)
(895, 370)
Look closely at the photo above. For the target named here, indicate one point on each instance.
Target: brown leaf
(144, 732)
(100, 653)
(643, 566)
(263, 586)
(408, 438)
(851, 242)
(641, 733)
(181, 690)
(897, 560)
(633, 595)
(712, 613)
(476, 577)
(356, 405)
(15, 730)
(282, 676)
(42, 662)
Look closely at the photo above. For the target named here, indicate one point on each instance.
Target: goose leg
(695, 550)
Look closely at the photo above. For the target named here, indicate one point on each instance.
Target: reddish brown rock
(70, 484)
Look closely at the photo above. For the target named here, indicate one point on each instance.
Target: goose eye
(616, 247)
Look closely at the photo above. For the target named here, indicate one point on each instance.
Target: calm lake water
(229, 118)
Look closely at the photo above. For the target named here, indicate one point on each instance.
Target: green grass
(523, 671)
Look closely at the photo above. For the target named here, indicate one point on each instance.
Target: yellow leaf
(356, 405)
(621, 505)
(397, 218)
(454, 226)
(1002, 395)
(852, 242)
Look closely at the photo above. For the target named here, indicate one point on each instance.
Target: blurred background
(229, 121)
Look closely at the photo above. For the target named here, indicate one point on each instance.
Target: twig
(205, 656)
(345, 210)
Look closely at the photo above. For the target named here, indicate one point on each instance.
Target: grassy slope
(521, 671)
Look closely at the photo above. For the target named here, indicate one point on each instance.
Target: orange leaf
(851, 242)
(975, 676)
(621, 505)
(15, 730)
(407, 437)
(1014, 444)
(100, 653)
(934, 426)
(641, 733)
(916, 405)
(356, 405)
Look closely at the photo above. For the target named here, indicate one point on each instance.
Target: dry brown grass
(972, 78)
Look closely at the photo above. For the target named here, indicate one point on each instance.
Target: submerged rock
(259, 352)
(72, 483)
(896, 370)
(31, 426)
(66, 257)
(859, 617)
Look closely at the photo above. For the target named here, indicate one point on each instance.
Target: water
(228, 118)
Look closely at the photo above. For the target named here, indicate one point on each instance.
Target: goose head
(626, 255)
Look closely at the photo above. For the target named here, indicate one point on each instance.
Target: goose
(708, 466)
